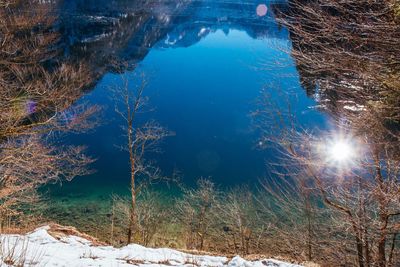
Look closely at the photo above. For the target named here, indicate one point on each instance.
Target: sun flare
(341, 151)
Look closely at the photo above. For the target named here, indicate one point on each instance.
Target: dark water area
(206, 63)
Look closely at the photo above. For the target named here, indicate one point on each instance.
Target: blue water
(204, 90)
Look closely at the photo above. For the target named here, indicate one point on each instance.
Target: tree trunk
(132, 224)
(132, 212)
(360, 251)
(392, 249)
(381, 251)
(132, 159)
(383, 214)
(309, 246)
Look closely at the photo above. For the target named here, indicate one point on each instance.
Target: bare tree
(28, 163)
(141, 139)
(4, 3)
(347, 57)
(362, 191)
(36, 104)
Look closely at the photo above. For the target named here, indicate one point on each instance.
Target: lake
(206, 64)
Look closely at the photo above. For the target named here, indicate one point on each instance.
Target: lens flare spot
(262, 10)
(30, 107)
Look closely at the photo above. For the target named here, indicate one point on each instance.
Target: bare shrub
(196, 213)
(298, 222)
(152, 216)
(239, 221)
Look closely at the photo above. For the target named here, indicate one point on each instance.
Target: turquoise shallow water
(205, 73)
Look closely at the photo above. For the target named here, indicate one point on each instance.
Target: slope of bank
(43, 247)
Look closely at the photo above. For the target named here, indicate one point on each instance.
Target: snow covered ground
(39, 248)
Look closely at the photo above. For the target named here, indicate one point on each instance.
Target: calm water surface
(206, 63)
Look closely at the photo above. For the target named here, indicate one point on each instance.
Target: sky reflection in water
(204, 91)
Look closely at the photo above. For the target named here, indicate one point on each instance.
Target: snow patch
(39, 248)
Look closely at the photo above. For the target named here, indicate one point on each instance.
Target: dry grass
(134, 262)
(14, 251)
(59, 232)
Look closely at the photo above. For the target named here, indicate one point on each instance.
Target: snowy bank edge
(39, 248)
